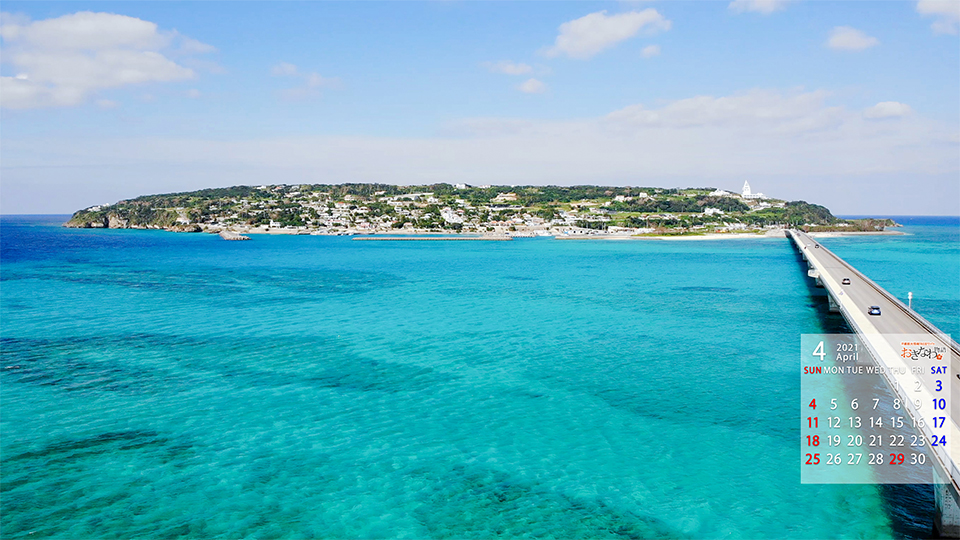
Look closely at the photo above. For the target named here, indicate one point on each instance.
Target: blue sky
(854, 105)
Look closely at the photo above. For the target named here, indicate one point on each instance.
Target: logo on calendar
(921, 350)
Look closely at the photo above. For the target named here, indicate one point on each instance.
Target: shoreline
(377, 238)
(236, 233)
(427, 235)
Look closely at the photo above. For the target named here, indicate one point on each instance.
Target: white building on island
(748, 194)
(450, 215)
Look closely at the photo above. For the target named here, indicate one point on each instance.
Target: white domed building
(748, 194)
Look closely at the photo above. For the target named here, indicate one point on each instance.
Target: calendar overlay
(867, 423)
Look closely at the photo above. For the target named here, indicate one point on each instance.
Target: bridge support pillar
(946, 519)
(834, 306)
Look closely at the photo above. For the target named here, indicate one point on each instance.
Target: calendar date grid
(858, 424)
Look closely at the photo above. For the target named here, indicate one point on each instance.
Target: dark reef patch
(475, 502)
(706, 289)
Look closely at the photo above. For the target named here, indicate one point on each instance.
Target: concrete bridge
(881, 335)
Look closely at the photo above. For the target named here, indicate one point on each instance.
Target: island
(512, 211)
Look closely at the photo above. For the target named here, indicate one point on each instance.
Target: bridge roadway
(882, 335)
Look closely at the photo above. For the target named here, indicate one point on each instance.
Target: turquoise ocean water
(160, 385)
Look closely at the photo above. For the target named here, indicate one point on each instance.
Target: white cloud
(756, 110)
(311, 83)
(192, 46)
(283, 69)
(765, 7)
(200, 65)
(87, 31)
(107, 104)
(845, 38)
(947, 13)
(487, 127)
(314, 80)
(532, 86)
(21, 93)
(103, 69)
(887, 109)
(585, 37)
(193, 93)
(66, 60)
(761, 131)
(507, 67)
(650, 51)
(8, 20)
(798, 143)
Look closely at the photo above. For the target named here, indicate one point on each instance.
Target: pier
(230, 235)
(879, 334)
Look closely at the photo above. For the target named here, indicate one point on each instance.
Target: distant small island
(462, 209)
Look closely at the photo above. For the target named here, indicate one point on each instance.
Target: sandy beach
(401, 233)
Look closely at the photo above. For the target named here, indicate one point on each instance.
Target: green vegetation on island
(446, 208)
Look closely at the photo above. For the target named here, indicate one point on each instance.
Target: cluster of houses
(319, 213)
